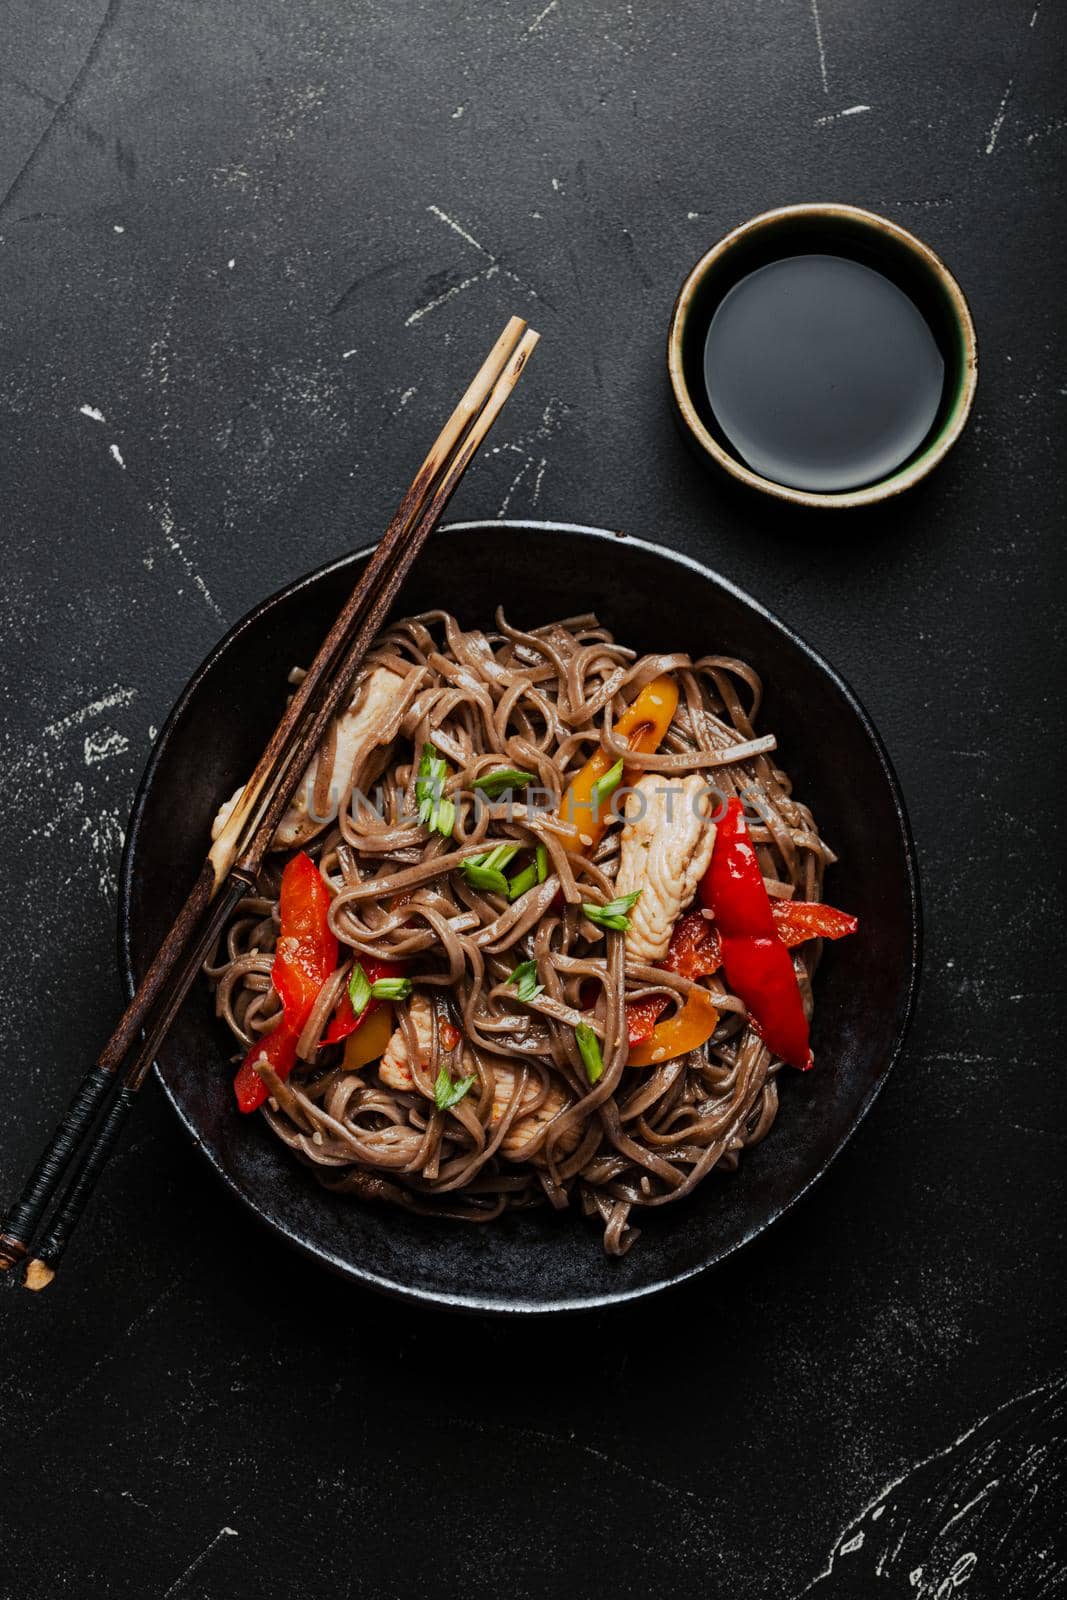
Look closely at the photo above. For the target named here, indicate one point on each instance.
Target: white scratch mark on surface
(464, 233)
(92, 412)
(835, 116)
(106, 838)
(407, 395)
(116, 455)
(107, 702)
(117, 228)
(853, 1544)
(450, 294)
(819, 45)
(1033, 17)
(458, 113)
(104, 742)
(998, 120)
(693, 216)
(538, 22)
(878, 1501)
(556, 1441)
(231, 263)
(527, 463)
(166, 523)
(223, 1533)
(528, 448)
(345, 354)
(478, 277)
(962, 1512)
(1055, 126)
(138, 1322)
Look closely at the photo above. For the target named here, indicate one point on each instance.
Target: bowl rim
(483, 1303)
(884, 488)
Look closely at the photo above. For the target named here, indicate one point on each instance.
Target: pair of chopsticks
(102, 1102)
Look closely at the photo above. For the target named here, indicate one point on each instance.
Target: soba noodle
(540, 700)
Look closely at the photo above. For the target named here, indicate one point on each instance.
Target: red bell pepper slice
(641, 1017)
(695, 950)
(305, 956)
(344, 1020)
(278, 1050)
(757, 965)
(797, 920)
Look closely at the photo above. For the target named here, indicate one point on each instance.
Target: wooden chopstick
(295, 731)
(232, 865)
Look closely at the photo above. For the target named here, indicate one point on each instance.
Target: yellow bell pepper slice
(643, 725)
(687, 1030)
(368, 1042)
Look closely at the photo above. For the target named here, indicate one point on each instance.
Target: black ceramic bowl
(865, 987)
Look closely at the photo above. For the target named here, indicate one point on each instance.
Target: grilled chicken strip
(666, 847)
(358, 731)
(395, 1072)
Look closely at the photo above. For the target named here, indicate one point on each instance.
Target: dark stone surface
(185, 1377)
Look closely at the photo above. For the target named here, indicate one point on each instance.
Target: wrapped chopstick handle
(84, 1181)
(177, 961)
(22, 1220)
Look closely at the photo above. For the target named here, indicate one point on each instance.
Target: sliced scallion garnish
(359, 990)
(494, 784)
(524, 977)
(605, 787)
(447, 1094)
(613, 915)
(522, 882)
(391, 988)
(435, 809)
(589, 1050)
(491, 879)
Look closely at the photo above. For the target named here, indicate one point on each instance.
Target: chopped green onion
(501, 857)
(359, 990)
(391, 988)
(497, 783)
(490, 879)
(487, 871)
(524, 978)
(522, 881)
(605, 787)
(447, 1094)
(613, 915)
(435, 809)
(589, 1050)
(542, 862)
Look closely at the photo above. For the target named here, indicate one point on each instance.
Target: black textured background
(266, 242)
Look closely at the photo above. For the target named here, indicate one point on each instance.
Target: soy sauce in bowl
(822, 373)
(822, 354)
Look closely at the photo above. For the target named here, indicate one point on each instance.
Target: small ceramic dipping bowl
(824, 230)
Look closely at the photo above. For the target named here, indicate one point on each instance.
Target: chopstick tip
(38, 1275)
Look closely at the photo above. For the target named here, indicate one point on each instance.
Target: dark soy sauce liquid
(822, 374)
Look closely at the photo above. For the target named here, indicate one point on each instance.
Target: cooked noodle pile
(531, 1130)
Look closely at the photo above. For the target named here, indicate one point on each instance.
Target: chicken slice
(666, 847)
(395, 1072)
(526, 1127)
(358, 731)
(395, 1066)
